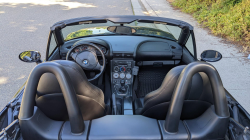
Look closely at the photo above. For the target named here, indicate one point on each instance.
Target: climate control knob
(116, 75)
(122, 69)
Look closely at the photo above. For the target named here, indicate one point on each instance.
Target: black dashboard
(137, 48)
(125, 54)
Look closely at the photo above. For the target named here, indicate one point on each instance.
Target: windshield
(145, 29)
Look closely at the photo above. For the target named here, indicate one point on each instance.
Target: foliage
(103, 30)
(227, 18)
(79, 33)
(152, 31)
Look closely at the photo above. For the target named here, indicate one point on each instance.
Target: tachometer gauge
(122, 75)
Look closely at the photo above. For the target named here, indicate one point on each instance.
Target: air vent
(123, 55)
(118, 55)
(128, 55)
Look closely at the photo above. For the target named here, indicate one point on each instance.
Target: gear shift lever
(122, 88)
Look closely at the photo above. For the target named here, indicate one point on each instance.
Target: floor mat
(150, 79)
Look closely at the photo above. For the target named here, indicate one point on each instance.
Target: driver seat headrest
(50, 99)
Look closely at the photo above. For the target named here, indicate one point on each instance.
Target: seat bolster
(53, 106)
(165, 91)
(90, 108)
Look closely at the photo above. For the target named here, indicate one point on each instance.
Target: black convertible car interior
(120, 78)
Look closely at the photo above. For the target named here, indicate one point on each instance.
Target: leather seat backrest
(50, 99)
(198, 97)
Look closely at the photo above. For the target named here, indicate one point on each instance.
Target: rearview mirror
(121, 29)
(30, 56)
(211, 56)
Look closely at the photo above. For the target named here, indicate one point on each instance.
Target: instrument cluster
(87, 47)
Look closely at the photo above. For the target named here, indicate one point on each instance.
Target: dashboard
(125, 54)
(138, 48)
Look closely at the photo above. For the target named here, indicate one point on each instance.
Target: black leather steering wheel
(87, 58)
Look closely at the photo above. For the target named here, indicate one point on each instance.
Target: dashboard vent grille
(123, 55)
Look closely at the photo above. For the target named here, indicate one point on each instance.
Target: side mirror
(30, 56)
(211, 56)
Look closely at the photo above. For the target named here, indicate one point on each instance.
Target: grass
(226, 18)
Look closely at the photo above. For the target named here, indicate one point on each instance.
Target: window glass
(52, 44)
(147, 29)
(190, 45)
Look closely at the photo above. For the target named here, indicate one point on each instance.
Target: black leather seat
(198, 99)
(51, 102)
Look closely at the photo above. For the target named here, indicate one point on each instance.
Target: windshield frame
(186, 31)
(108, 33)
(57, 27)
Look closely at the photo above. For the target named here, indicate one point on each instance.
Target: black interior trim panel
(121, 127)
(157, 50)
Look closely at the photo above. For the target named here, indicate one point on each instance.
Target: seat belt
(107, 87)
(100, 81)
(114, 103)
(135, 85)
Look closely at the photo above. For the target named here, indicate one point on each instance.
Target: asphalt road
(25, 26)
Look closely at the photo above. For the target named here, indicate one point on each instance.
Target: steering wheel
(87, 58)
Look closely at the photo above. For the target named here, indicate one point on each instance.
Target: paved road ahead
(25, 26)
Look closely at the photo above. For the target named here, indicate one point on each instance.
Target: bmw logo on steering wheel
(85, 62)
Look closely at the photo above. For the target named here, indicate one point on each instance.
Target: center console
(122, 76)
